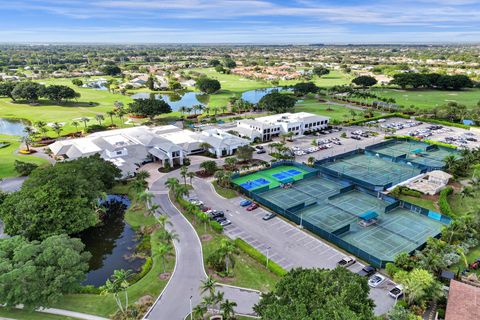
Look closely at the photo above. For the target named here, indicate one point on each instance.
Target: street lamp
(191, 310)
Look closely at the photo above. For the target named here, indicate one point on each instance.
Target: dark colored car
(259, 147)
(261, 151)
(217, 214)
(367, 271)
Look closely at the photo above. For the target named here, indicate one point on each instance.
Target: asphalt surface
(283, 242)
(12, 184)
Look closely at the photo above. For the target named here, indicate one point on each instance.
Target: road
(174, 301)
(287, 245)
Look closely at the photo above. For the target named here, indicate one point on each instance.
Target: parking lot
(285, 243)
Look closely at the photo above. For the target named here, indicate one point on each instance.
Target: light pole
(191, 310)
(268, 252)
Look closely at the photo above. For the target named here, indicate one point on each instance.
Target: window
(118, 153)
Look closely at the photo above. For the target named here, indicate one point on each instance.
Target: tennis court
(372, 169)
(416, 152)
(272, 177)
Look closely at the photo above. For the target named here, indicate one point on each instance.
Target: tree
(58, 199)
(208, 285)
(75, 124)
(320, 71)
(172, 184)
(150, 84)
(36, 274)
(85, 120)
(209, 166)
(42, 127)
(149, 107)
(401, 313)
(311, 161)
(163, 250)
(99, 118)
(317, 294)
(365, 81)
(418, 285)
(117, 283)
(214, 62)
(245, 152)
(110, 70)
(303, 88)
(24, 168)
(111, 114)
(191, 175)
(6, 89)
(57, 128)
(77, 82)
(58, 93)
(228, 251)
(208, 86)
(229, 63)
(277, 102)
(30, 91)
(183, 174)
(227, 309)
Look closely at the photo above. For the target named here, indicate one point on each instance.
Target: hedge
(258, 256)
(432, 142)
(4, 144)
(444, 122)
(216, 226)
(443, 202)
(390, 115)
(147, 266)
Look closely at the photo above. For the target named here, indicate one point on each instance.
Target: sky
(240, 21)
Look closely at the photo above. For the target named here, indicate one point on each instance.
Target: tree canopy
(59, 93)
(30, 91)
(111, 70)
(365, 81)
(58, 199)
(303, 88)
(317, 294)
(245, 152)
(432, 81)
(36, 274)
(277, 102)
(320, 71)
(6, 89)
(149, 107)
(207, 85)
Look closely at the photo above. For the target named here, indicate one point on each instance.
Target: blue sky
(240, 21)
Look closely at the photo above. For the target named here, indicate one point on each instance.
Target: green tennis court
(372, 169)
(272, 177)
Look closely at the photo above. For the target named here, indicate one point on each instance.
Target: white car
(396, 292)
(376, 280)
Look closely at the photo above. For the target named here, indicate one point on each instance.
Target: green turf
(30, 315)
(8, 156)
(267, 175)
(224, 192)
(424, 203)
(335, 112)
(427, 99)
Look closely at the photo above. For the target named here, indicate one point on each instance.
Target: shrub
(147, 266)
(89, 289)
(391, 269)
(145, 245)
(257, 255)
(96, 128)
(24, 168)
(443, 122)
(443, 202)
(4, 144)
(216, 226)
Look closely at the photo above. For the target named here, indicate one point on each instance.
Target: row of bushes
(258, 256)
(147, 266)
(402, 190)
(188, 207)
(443, 202)
(443, 122)
(385, 116)
(4, 144)
(437, 143)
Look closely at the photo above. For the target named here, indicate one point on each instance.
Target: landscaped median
(224, 192)
(248, 271)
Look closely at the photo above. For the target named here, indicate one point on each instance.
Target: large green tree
(317, 294)
(303, 88)
(149, 107)
(6, 89)
(30, 91)
(59, 93)
(277, 102)
(365, 81)
(58, 199)
(208, 86)
(320, 71)
(36, 274)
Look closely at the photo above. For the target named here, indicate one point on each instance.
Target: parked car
(269, 216)
(260, 151)
(225, 223)
(245, 203)
(251, 207)
(396, 292)
(216, 214)
(376, 280)
(259, 147)
(219, 219)
(196, 202)
(367, 271)
(346, 262)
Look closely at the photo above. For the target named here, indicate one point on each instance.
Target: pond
(187, 99)
(111, 244)
(254, 96)
(12, 127)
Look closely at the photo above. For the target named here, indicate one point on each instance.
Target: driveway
(12, 184)
(283, 242)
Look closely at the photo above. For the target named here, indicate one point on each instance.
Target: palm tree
(204, 217)
(138, 185)
(142, 175)
(145, 197)
(42, 126)
(208, 301)
(168, 236)
(153, 209)
(163, 221)
(208, 285)
(191, 175)
(85, 120)
(207, 110)
(228, 250)
(215, 110)
(205, 145)
(99, 118)
(183, 173)
(120, 114)
(231, 162)
(163, 250)
(75, 124)
(181, 191)
(183, 110)
(311, 161)
(27, 140)
(199, 312)
(111, 114)
(227, 309)
(224, 109)
(57, 127)
(172, 184)
(117, 284)
(450, 162)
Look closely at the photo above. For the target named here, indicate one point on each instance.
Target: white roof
(291, 117)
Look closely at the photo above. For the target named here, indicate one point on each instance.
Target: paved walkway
(174, 301)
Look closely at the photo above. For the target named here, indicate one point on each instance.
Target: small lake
(254, 96)
(12, 127)
(187, 99)
(111, 244)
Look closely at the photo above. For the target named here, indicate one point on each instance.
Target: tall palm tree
(208, 301)
(191, 175)
(204, 217)
(183, 110)
(163, 250)
(42, 127)
(99, 118)
(214, 110)
(75, 124)
(145, 197)
(208, 285)
(142, 175)
(228, 250)
(172, 184)
(199, 312)
(450, 162)
(57, 127)
(115, 285)
(111, 114)
(227, 309)
(181, 191)
(153, 209)
(163, 221)
(168, 236)
(224, 109)
(183, 173)
(85, 120)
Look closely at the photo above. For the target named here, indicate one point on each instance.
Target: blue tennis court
(254, 183)
(286, 174)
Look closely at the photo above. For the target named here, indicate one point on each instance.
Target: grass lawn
(472, 255)
(8, 157)
(424, 203)
(427, 99)
(30, 315)
(247, 272)
(224, 192)
(150, 284)
(463, 205)
(335, 112)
